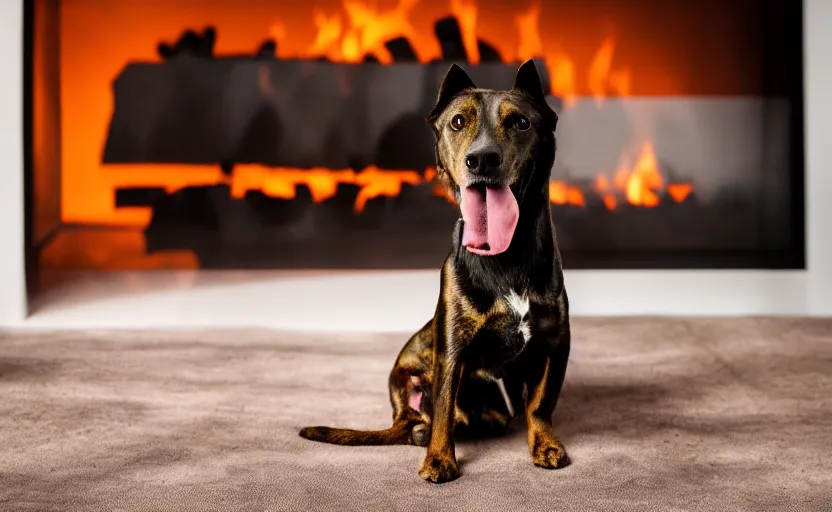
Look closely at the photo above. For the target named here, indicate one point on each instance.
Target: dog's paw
(439, 469)
(550, 455)
(420, 435)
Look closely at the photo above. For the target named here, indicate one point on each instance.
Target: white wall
(12, 264)
(817, 16)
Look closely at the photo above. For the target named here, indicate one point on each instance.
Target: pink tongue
(490, 219)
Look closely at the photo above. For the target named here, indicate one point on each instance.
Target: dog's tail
(398, 433)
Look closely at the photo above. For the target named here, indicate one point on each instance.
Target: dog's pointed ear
(528, 81)
(456, 80)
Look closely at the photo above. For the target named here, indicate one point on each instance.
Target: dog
(499, 340)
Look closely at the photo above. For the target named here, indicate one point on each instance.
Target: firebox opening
(256, 134)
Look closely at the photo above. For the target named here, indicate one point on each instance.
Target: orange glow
(557, 192)
(679, 191)
(575, 197)
(365, 31)
(645, 179)
(110, 249)
(322, 183)
(604, 189)
(439, 189)
(99, 38)
(562, 193)
(375, 183)
(609, 202)
(639, 186)
(561, 67)
(371, 27)
(465, 11)
(602, 79)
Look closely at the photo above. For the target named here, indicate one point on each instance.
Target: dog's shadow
(604, 409)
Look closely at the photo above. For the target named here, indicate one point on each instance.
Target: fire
(562, 193)
(465, 11)
(679, 191)
(602, 78)
(99, 39)
(322, 183)
(645, 179)
(376, 183)
(641, 185)
(561, 67)
(604, 189)
(365, 31)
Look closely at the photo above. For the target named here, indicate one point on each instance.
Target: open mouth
(490, 214)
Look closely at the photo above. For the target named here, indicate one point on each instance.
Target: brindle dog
(499, 340)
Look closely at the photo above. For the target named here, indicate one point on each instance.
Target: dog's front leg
(440, 463)
(543, 387)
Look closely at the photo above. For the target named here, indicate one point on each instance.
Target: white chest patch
(520, 306)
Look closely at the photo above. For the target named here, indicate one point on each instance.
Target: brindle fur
(473, 339)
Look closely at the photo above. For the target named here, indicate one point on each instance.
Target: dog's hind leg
(408, 398)
(409, 386)
(408, 422)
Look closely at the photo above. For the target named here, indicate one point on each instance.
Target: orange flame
(562, 193)
(531, 45)
(602, 78)
(356, 29)
(640, 186)
(322, 183)
(645, 179)
(561, 67)
(375, 183)
(679, 191)
(604, 189)
(367, 30)
(329, 33)
(465, 11)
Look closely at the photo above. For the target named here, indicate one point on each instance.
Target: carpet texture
(657, 414)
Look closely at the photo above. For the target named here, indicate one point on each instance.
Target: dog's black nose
(480, 162)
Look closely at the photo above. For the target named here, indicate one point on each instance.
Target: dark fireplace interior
(242, 134)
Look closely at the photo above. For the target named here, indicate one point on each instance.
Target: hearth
(291, 135)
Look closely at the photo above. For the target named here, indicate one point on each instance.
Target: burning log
(488, 53)
(449, 34)
(267, 50)
(275, 211)
(298, 114)
(191, 43)
(189, 208)
(139, 196)
(416, 226)
(450, 39)
(296, 231)
(199, 108)
(401, 50)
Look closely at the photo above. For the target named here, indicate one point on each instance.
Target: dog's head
(488, 143)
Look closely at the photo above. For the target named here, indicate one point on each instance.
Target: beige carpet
(656, 414)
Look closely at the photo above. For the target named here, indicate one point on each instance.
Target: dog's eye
(458, 122)
(520, 123)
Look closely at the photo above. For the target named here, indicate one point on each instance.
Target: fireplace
(256, 134)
